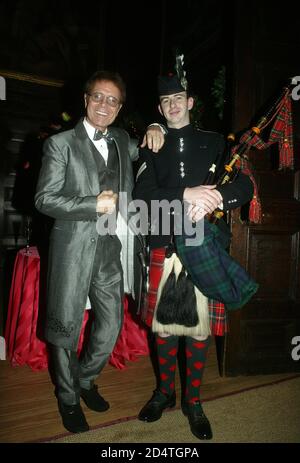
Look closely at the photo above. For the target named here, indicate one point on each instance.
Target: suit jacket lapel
(86, 148)
(118, 143)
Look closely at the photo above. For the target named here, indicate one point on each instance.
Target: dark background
(67, 40)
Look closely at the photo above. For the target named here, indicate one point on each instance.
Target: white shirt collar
(101, 145)
(90, 129)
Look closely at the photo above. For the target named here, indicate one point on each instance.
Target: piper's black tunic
(184, 161)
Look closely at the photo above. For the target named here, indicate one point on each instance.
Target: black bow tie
(98, 135)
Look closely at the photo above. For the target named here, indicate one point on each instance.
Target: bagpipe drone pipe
(215, 273)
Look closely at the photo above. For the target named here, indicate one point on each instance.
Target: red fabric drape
(132, 341)
(23, 344)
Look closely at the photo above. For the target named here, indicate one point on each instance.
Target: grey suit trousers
(106, 296)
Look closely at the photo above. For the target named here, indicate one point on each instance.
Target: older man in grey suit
(83, 171)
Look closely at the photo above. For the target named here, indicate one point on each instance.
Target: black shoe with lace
(93, 399)
(199, 423)
(73, 417)
(153, 409)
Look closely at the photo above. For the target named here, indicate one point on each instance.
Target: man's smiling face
(101, 114)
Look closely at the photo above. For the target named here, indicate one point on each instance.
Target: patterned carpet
(265, 414)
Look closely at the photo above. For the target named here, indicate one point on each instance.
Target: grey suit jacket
(67, 188)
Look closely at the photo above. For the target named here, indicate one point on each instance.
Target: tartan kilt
(215, 273)
(217, 313)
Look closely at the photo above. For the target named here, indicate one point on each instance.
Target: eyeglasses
(100, 98)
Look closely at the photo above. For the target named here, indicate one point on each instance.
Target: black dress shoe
(73, 417)
(93, 399)
(199, 423)
(153, 409)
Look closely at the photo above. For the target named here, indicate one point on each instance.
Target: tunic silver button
(181, 144)
(181, 168)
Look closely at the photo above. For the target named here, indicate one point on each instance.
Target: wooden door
(266, 51)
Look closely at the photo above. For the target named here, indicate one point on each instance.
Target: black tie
(98, 135)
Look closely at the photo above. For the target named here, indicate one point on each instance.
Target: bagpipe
(215, 273)
(208, 265)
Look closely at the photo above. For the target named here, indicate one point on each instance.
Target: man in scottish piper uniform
(174, 306)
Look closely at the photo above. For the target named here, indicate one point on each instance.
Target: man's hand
(154, 138)
(106, 202)
(204, 197)
(195, 212)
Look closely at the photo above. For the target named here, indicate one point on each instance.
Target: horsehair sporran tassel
(166, 295)
(186, 310)
(173, 264)
(167, 303)
(168, 268)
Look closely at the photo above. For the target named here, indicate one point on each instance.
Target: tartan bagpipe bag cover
(215, 273)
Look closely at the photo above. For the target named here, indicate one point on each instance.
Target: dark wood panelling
(272, 262)
(262, 341)
(261, 333)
